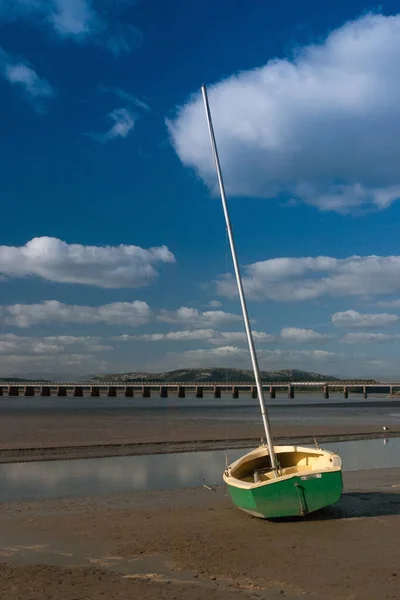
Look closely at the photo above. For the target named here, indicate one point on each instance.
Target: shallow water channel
(101, 476)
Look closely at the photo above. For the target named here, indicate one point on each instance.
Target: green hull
(295, 496)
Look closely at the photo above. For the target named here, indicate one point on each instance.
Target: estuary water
(102, 476)
(304, 409)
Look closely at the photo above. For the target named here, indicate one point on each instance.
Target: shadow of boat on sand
(353, 505)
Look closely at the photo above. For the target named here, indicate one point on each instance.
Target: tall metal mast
(249, 334)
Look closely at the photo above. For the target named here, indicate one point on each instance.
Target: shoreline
(76, 452)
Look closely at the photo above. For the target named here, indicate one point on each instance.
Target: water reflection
(98, 476)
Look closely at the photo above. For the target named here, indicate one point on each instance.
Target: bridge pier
(193, 388)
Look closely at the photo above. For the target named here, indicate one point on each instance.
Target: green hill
(209, 375)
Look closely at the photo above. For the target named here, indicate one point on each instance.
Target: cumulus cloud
(322, 128)
(308, 278)
(364, 337)
(192, 317)
(102, 266)
(115, 313)
(352, 318)
(294, 334)
(36, 89)
(78, 20)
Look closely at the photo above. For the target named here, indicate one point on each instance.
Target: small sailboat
(274, 481)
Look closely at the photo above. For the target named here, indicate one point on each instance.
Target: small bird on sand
(385, 428)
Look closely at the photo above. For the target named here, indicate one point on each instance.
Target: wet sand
(190, 544)
(193, 544)
(46, 436)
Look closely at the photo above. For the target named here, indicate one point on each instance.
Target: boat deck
(260, 475)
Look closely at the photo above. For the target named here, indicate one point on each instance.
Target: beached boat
(274, 481)
(306, 480)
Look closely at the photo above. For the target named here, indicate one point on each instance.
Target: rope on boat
(303, 509)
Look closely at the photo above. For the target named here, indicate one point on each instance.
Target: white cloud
(301, 335)
(28, 78)
(35, 88)
(215, 304)
(209, 335)
(364, 337)
(102, 266)
(307, 278)
(389, 303)
(228, 356)
(115, 313)
(352, 318)
(73, 17)
(124, 122)
(223, 355)
(178, 336)
(323, 128)
(260, 337)
(11, 344)
(192, 317)
(78, 20)
(132, 100)
(46, 365)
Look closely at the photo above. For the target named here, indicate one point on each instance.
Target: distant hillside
(206, 375)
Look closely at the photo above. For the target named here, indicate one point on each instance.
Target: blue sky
(113, 253)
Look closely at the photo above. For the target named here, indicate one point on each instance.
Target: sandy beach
(189, 543)
(44, 436)
(193, 544)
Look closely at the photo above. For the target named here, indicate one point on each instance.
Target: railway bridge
(215, 389)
